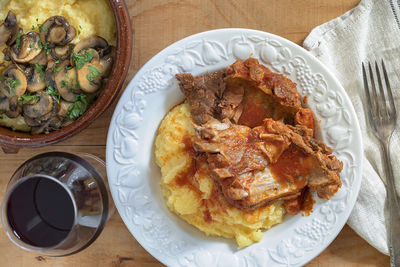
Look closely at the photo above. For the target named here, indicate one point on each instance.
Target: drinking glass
(57, 203)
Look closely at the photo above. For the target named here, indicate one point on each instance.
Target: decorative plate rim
(211, 50)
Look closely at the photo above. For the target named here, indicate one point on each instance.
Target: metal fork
(382, 118)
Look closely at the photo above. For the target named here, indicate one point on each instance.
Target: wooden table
(157, 24)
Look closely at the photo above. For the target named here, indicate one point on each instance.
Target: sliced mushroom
(31, 122)
(7, 53)
(57, 31)
(9, 29)
(50, 125)
(14, 107)
(106, 63)
(90, 76)
(35, 80)
(54, 123)
(90, 55)
(67, 84)
(73, 81)
(47, 116)
(14, 82)
(92, 72)
(40, 59)
(27, 48)
(96, 42)
(48, 122)
(50, 62)
(63, 108)
(62, 52)
(4, 104)
(54, 65)
(41, 108)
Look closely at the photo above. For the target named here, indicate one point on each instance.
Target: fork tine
(374, 99)
(366, 85)
(382, 109)
(389, 90)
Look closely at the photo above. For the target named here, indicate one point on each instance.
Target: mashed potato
(194, 196)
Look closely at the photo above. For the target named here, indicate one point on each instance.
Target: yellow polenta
(199, 203)
(89, 17)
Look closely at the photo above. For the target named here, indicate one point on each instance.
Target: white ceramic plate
(134, 177)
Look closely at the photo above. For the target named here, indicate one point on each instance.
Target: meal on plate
(240, 152)
(55, 59)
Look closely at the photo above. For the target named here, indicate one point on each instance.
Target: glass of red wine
(57, 203)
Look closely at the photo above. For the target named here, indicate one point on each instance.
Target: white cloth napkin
(369, 32)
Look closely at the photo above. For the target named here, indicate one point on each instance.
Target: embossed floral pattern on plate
(134, 177)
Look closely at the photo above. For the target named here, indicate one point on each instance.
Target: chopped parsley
(51, 91)
(18, 41)
(78, 107)
(58, 69)
(81, 58)
(10, 84)
(54, 68)
(40, 70)
(27, 98)
(45, 47)
(64, 83)
(93, 73)
(41, 28)
(79, 30)
(72, 85)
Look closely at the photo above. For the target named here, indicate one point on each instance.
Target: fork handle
(394, 210)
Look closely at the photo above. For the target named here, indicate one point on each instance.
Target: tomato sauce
(308, 204)
(291, 166)
(185, 178)
(305, 117)
(255, 108)
(207, 216)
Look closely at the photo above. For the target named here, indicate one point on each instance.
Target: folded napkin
(368, 32)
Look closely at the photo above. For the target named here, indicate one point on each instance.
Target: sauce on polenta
(194, 196)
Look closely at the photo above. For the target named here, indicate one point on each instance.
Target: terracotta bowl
(11, 141)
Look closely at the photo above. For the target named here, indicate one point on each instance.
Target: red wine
(41, 212)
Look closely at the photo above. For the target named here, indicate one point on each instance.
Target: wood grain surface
(157, 24)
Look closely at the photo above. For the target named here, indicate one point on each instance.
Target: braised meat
(229, 152)
(267, 95)
(246, 93)
(209, 97)
(255, 166)
(257, 138)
